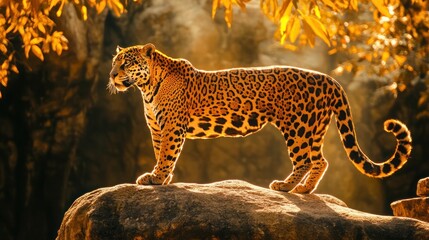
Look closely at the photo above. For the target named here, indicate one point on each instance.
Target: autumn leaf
(290, 47)
(354, 4)
(309, 34)
(331, 4)
(27, 49)
(83, 10)
(35, 41)
(41, 27)
(400, 59)
(11, 28)
(58, 48)
(285, 18)
(242, 3)
(37, 52)
(14, 69)
(317, 12)
(53, 3)
(332, 51)
(381, 7)
(348, 66)
(318, 28)
(60, 9)
(116, 6)
(285, 5)
(100, 6)
(215, 5)
(423, 99)
(227, 4)
(385, 56)
(4, 81)
(2, 20)
(228, 13)
(295, 29)
(5, 65)
(3, 48)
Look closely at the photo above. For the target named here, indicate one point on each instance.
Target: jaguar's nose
(113, 74)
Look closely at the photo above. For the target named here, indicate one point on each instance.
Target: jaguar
(181, 101)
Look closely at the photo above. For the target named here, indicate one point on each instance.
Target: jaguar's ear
(118, 49)
(147, 50)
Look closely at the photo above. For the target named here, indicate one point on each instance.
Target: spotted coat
(182, 102)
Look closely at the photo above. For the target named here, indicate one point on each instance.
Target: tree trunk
(43, 116)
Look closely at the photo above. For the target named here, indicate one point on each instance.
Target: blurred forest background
(62, 134)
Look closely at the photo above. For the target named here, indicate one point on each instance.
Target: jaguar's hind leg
(292, 180)
(319, 165)
(316, 173)
(299, 152)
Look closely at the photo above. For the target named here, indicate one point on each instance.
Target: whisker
(111, 88)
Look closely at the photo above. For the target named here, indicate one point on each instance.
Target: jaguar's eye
(122, 67)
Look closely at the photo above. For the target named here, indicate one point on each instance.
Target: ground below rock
(224, 210)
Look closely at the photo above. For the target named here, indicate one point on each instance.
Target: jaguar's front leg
(167, 144)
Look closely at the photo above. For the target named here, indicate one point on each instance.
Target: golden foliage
(393, 40)
(381, 7)
(393, 43)
(30, 21)
(227, 4)
(306, 18)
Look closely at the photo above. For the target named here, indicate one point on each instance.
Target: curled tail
(345, 126)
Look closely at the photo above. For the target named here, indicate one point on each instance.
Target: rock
(224, 210)
(423, 187)
(414, 207)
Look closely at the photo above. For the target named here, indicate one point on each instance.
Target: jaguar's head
(130, 67)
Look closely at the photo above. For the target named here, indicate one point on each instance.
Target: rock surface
(423, 187)
(414, 207)
(224, 210)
